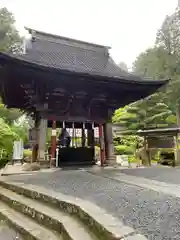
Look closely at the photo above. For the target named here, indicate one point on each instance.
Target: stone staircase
(38, 213)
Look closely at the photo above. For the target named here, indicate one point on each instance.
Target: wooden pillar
(53, 143)
(105, 142)
(35, 145)
(147, 151)
(83, 136)
(90, 136)
(42, 139)
(109, 144)
(102, 151)
(176, 152)
(73, 135)
(34, 152)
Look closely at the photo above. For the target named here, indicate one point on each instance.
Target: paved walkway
(17, 169)
(7, 233)
(151, 212)
(162, 174)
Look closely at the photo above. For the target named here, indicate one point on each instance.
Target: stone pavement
(7, 233)
(163, 187)
(150, 211)
(17, 169)
(12, 169)
(160, 173)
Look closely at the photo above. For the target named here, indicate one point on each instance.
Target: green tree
(7, 136)
(168, 37)
(155, 63)
(163, 60)
(168, 34)
(10, 40)
(146, 113)
(9, 115)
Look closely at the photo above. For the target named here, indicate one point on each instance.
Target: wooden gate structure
(162, 138)
(58, 79)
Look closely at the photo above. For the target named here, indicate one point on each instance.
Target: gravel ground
(162, 174)
(7, 233)
(153, 214)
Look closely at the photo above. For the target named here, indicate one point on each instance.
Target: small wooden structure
(161, 138)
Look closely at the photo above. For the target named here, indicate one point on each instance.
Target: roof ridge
(65, 38)
(65, 44)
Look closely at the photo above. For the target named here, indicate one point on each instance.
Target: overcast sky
(128, 26)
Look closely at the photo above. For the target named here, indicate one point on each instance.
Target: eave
(19, 60)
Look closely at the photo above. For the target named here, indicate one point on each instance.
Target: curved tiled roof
(62, 53)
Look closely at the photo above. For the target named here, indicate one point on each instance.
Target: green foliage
(7, 136)
(132, 159)
(3, 162)
(168, 34)
(10, 41)
(21, 131)
(162, 61)
(9, 37)
(128, 140)
(9, 115)
(27, 155)
(123, 150)
(9, 131)
(147, 113)
(155, 63)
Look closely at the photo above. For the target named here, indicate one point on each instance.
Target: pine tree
(146, 113)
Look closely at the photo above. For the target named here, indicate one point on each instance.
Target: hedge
(123, 150)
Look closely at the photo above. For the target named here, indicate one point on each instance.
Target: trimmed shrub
(123, 150)
(132, 159)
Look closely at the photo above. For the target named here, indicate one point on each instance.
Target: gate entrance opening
(75, 143)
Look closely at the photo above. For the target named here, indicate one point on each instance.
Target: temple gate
(59, 81)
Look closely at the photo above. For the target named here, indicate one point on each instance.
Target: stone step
(66, 226)
(98, 222)
(24, 225)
